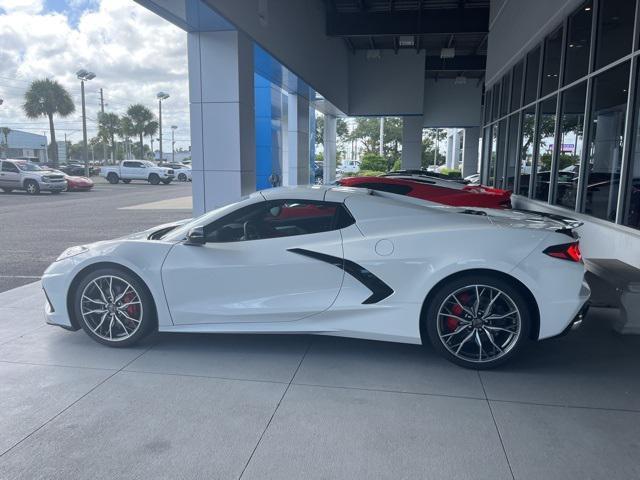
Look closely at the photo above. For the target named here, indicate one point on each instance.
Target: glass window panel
(516, 94)
(606, 133)
(571, 138)
(546, 137)
(526, 150)
(493, 156)
(551, 66)
(506, 87)
(487, 106)
(512, 151)
(486, 150)
(502, 142)
(578, 41)
(496, 101)
(531, 80)
(631, 218)
(614, 30)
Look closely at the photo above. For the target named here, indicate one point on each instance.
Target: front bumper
(53, 186)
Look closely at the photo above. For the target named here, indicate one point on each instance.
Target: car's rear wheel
(126, 181)
(478, 321)
(32, 187)
(114, 307)
(113, 178)
(182, 177)
(154, 179)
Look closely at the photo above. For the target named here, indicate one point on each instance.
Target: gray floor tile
(30, 395)
(27, 296)
(385, 366)
(250, 357)
(150, 426)
(54, 346)
(564, 443)
(15, 322)
(594, 367)
(321, 432)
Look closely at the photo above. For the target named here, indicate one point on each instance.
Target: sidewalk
(275, 406)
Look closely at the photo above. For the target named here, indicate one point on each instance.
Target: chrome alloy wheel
(479, 323)
(111, 308)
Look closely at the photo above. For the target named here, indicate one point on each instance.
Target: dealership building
(542, 96)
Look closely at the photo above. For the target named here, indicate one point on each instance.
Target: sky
(133, 52)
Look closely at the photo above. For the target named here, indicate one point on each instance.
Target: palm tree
(140, 117)
(108, 128)
(150, 131)
(126, 131)
(5, 133)
(45, 98)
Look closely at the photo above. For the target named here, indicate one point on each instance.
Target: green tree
(5, 135)
(373, 161)
(139, 119)
(150, 131)
(367, 133)
(108, 128)
(342, 129)
(46, 98)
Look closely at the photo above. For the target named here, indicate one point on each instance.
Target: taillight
(566, 251)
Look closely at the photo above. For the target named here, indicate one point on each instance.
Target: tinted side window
(9, 167)
(273, 219)
(129, 164)
(386, 187)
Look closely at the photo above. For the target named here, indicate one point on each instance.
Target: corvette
(477, 284)
(446, 192)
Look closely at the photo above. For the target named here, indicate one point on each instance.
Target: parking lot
(36, 229)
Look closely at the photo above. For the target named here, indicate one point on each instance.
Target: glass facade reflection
(568, 130)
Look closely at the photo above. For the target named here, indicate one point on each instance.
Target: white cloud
(22, 6)
(133, 52)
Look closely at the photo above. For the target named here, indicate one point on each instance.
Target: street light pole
(161, 96)
(173, 143)
(84, 75)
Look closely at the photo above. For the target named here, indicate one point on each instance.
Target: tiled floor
(281, 407)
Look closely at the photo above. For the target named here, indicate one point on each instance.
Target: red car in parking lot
(433, 191)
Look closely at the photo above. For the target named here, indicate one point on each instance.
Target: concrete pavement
(276, 406)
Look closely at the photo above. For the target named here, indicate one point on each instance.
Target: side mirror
(196, 236)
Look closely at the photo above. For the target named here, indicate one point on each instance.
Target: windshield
(28, 167)
(180, 232)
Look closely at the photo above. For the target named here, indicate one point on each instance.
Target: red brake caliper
(451, 322)
(133, 309)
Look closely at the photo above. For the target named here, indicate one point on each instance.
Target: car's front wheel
(154, 179)
(182, 177)
(114, 307)
(478, 321)
(32, 187)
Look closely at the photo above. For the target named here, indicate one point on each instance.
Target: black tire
(154, 179)
(491, 332)
(182, 177)
(147, 312)
(32, 187)
(7, 190)
(113, 178)
(166, 182)
(128, 180)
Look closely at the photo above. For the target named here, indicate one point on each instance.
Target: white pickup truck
(137, 170)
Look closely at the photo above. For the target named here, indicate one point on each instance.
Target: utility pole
(82, 76)
(173, 143)
(161, 96)
(104, 146)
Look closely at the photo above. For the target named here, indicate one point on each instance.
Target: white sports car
(477, 284)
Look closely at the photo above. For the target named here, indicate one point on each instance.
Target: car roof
(329, 193)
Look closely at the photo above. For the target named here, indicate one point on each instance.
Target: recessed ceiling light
(587, 9)
(406, 40)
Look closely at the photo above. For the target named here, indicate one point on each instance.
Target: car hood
(155, 231)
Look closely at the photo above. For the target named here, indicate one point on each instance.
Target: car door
(272, 261)
(9, 175)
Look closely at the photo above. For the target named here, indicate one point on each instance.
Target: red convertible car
(426, 189)
(75, 184)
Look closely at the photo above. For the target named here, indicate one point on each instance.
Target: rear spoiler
(569, 223)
